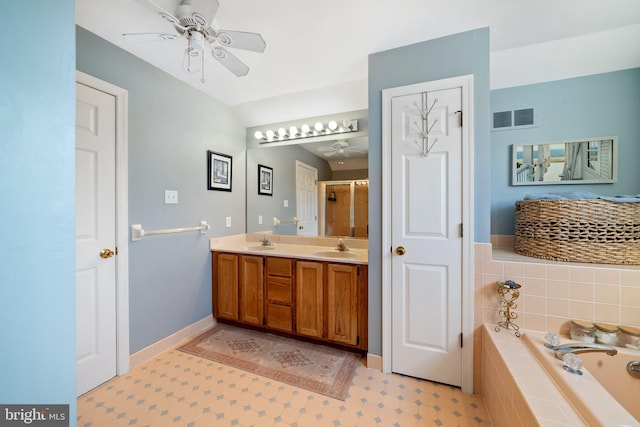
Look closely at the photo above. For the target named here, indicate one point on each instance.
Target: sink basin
(336, 254)
(259, 248)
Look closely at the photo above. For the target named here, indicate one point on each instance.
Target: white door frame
(122, 216)
(466, 83)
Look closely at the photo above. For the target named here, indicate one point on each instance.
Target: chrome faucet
(560, 350)
(341, 246)
(265, 241)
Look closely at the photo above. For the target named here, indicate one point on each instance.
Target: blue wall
(171, 127)
(593, 106)
(456, 55)
(37, 178)
(283, 162)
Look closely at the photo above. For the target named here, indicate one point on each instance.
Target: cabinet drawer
(280, 317)
(279, 267)
(279, 290)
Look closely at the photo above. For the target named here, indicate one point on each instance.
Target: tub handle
(633, 368)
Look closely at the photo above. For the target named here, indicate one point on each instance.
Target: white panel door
(95, 236)
(307, 199)
(426, 197)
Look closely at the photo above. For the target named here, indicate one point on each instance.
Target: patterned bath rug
(313, 367)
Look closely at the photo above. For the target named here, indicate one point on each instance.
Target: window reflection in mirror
(580, 161)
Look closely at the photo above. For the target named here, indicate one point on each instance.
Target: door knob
(106, 253)
(400, 250)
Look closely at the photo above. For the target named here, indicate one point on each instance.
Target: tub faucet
(265, 241)
(341, 246)
(575, 348)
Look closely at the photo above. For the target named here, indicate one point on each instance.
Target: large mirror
(579, 161)
(331, 163)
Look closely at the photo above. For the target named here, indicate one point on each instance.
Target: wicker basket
(595, 230)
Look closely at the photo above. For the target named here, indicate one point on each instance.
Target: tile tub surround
(552, 293)
(526, 385)
(516, 389)
(293, 247)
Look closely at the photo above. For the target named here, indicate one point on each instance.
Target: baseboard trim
(148, 353)
(374, 362)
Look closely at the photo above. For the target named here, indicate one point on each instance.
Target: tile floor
(178, 389)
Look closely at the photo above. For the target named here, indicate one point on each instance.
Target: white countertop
(311, 248)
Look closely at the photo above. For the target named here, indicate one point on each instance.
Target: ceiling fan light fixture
(196, 44)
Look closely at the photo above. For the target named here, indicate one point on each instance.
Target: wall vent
(523, 117)
(512, 119)
(502, 119)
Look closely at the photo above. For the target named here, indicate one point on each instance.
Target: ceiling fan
(192, 21)
(341, 147)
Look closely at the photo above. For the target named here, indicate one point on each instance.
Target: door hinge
(461, 340)
(460, 112)
(116, 250)
(461, 230)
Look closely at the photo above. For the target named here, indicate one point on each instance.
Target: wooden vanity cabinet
(225, 285)
(319, 300)
(342, 303)
(251, 288)
(279, 289)
(309, 299)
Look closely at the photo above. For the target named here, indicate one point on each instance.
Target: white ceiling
(316, 57)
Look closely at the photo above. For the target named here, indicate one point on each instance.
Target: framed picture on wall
(219, 171)
(265, 180)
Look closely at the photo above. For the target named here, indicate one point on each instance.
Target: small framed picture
(219, 171)
(265, 180)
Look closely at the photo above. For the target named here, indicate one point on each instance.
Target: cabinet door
(251, 289)
(342, 303)
(309, 301)
(225, 285)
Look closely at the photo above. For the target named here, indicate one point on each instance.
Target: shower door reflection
(344, 208)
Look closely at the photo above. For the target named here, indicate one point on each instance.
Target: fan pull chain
(202, 66)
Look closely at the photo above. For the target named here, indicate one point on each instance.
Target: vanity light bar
(306, 131)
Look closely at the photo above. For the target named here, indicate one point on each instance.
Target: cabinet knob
(400, 250)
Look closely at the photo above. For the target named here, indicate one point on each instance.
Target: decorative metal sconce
(509, 291)
(306, 131)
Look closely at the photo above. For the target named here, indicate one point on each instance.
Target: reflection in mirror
(344, 208)
(580, 161)
(335, 157)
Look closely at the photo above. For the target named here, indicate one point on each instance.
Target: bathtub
(523, 384)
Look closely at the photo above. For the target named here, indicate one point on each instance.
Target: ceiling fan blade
(149, 36)
(206, 8)
(155, 7)
(330, 153)
(232, 63)
(241, 40)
